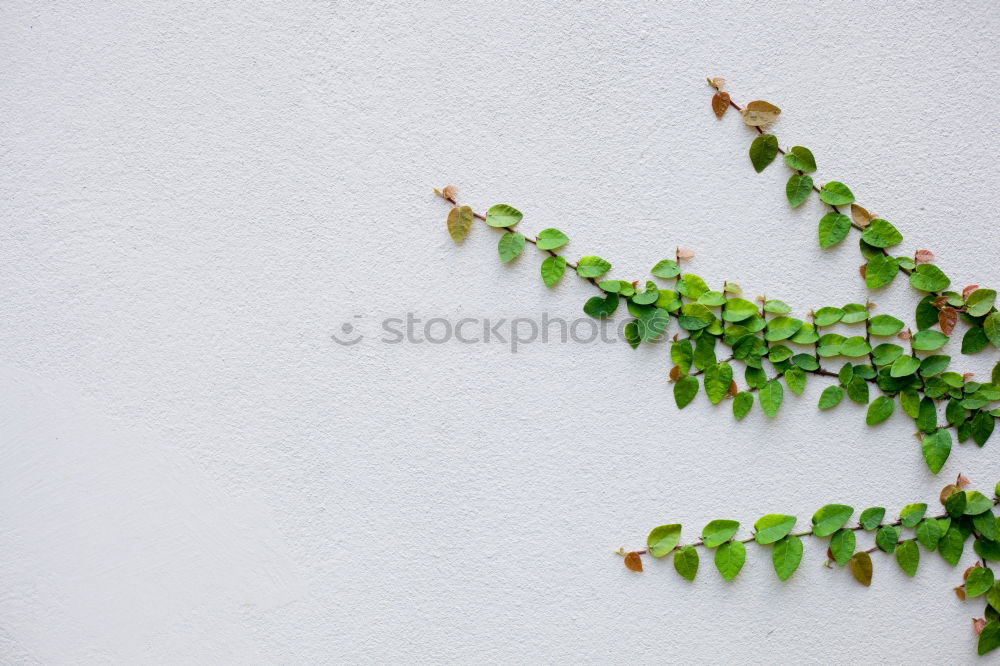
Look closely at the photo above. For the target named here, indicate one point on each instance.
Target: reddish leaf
(720, 103)
(978, 624)
(940, 301)
(962, 480)
(684, 253)
(968, 290)
(633, 561)
(967, 376)
(905, 335)
(947, 318)
(923, 257)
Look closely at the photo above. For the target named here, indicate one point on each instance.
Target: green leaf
(729, 559)
(795, 378)
(857, 390)
(695, 316)
(854, 312)
(974, 340)
(786, 556)
(936, 447)
(692, 286)
(806, 362)
(904, 366)
(459, 222)
(776, 307)
(980, 302)
(718, 532)
(927, 415)
(770, 398)
(976, 503)
(884, 325)
(685, 389)
(601, 308)
(800, 159)
(989, 638)
(951, 545)
(667, 268)
(861, 567)
(879, 410)
(763, 150)
(926, 312)
(928, 277)
(742, 404)
(772, 527)
(988, 550)
(632, 336)
(955, 504)
(648, 297)
(782, 328)
(886, 354)
(991, 327)
(908, 557)
(798, 189)
(551, 239)
(881, 270)
(831, 397)
(934, 365)
(681, 354)
(836, 194)
(982, 427)
(717, 380)
(827, 316)
(831, 518)
(510, 246)
(872, 518)
(592, 267)
(912, 514)
(929, 340)
(979, 582)
(886, 538)
(881, 234)
(738, 309)
(704, 352)
(553, 269)
(842, 545)
(502, 215)
(686, 562)
(663, 539)
(651, 323)
(855, 347)
(833, 228)
(929, 533)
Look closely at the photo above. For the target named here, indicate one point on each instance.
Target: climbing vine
(884, 363)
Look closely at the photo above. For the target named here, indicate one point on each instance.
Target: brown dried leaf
(978, 624)
(923, 257)
(733, 389)
(684, 254)
(965, 574)
(675, 373)
(905, 335)
(968, 290)
(948, 491)
(760, 113)
(863, 269)
(963, 480)
(861, 567)
(861, 217)
(720, 103)
(960, 592)
(947, 318)
(633, 561)
(449, 191)
(968, 375)
(717, 82)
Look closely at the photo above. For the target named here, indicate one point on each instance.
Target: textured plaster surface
(196, 196)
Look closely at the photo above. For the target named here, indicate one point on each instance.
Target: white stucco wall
(195, 196)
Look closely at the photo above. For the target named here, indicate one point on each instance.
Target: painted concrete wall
(197, 196)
